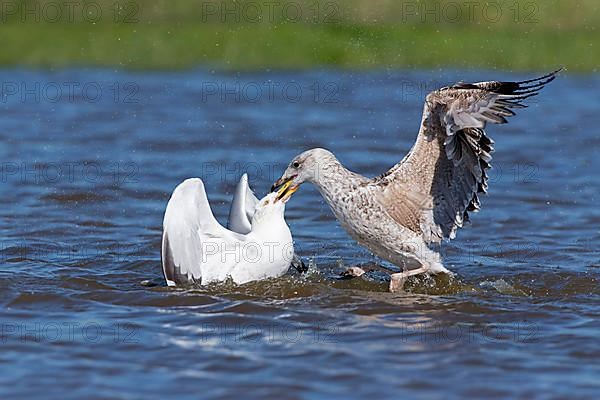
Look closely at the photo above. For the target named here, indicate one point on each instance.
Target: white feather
(196, 248)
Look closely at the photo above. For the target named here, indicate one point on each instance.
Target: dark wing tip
(168, 263)
(523, 89)
(547, 78)
(171, 271)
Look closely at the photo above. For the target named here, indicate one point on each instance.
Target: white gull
(197, 249)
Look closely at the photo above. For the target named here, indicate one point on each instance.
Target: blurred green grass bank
(160, 34)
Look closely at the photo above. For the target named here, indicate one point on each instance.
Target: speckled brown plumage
(428, 195)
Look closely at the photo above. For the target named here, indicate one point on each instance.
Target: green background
(248, 35)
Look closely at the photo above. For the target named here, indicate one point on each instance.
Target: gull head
(306, 167)
(269, 208)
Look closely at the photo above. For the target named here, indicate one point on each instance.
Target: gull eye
(296, 164)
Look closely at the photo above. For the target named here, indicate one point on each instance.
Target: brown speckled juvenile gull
(428, 195)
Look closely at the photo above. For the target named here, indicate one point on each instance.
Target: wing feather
(242, 207)
(447, 165)
(188, 213)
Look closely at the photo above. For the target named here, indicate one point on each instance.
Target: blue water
(90, 157)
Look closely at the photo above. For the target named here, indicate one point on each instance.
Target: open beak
(284, 188)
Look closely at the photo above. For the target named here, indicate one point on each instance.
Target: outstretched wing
(188, 213)
(242, 207)
(434, 187)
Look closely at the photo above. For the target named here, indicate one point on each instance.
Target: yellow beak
(286, 190)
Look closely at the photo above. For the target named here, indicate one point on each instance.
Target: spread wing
(242, 207)
(432, 190)
(188, 218)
